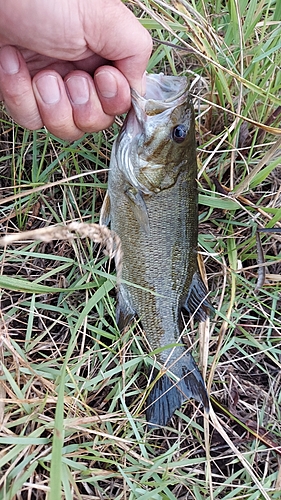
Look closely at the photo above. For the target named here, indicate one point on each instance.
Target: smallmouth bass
(151, 203)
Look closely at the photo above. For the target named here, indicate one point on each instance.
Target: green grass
(72, 391)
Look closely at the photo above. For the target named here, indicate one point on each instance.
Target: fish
(152, 205)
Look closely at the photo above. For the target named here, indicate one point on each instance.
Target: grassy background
(72, 389)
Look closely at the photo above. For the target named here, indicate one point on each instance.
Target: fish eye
(179, 133)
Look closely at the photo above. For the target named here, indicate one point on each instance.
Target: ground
(72, 387)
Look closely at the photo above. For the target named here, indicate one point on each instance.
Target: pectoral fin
(196, 303)
(105, 211)
(138, 206)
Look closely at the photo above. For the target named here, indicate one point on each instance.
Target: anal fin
(196, 303)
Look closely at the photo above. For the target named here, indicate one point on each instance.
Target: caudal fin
(167, 395)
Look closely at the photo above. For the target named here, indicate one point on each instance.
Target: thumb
(114, 33)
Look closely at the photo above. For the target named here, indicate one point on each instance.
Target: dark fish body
(152, 206)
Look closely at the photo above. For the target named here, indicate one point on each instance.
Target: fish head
(158, 134)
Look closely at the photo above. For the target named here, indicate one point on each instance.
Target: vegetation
(72, 393)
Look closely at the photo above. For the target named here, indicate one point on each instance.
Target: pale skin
(68, 65)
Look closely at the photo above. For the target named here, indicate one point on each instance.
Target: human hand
(69, 65)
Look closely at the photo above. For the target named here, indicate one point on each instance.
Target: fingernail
(9, 60)
(48, 88)
(78, 89)
(106, 84)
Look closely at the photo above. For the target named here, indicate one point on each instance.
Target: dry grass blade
(217, 425)
(95, 232)
(244, 186)
(261, 268)
(28, 192)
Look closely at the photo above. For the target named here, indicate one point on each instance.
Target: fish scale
(152, 205)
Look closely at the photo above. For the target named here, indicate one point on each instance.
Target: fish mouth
(164, 88)
(162, 93)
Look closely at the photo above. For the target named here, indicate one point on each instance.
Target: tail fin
(167, 395)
